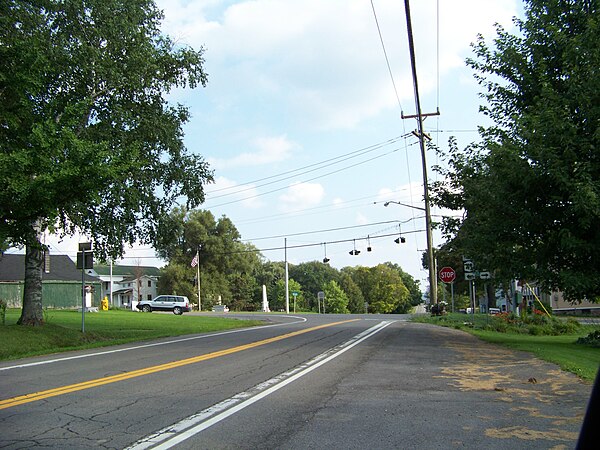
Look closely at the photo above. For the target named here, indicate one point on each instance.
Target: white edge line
(137, 347)
(190, 426)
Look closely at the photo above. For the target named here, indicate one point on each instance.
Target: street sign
(447, 274)
(470, 276)
(485, 275)
(468, 266)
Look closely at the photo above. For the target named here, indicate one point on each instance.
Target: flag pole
(198, 278)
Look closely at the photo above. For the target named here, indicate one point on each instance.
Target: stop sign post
(448, 275)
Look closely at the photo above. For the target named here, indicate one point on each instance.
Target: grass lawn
(62, 330)
(582, 360)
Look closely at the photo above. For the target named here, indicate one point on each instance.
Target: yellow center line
(28, 398)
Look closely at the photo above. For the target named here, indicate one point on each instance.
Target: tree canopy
(88, 140)
(531, 189)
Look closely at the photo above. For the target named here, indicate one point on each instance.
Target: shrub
(536, 330)
(3, 305)
(592, 339)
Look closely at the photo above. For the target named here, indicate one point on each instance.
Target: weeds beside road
(550, 339)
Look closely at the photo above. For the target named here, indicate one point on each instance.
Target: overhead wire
(306, 181)
(324, 163)
(317, 209)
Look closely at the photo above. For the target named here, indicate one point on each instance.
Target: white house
(130, 284)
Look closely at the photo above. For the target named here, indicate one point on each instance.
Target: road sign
(447, 274)
(470, 276)
(468, 266)
(485, 275)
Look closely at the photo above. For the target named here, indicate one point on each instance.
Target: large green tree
(336, 300)
(382, 288)
(313, 276)
(531, 189)
(229, 269)
(88, 140)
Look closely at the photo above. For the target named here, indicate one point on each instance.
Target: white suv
(176, 303)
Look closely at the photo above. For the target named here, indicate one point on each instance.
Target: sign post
(448, 275)
(84, 261)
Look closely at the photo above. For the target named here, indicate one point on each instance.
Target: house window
(149, 283)
(149, 296)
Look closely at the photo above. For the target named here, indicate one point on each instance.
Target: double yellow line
(28, 398)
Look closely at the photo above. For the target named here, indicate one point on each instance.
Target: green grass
(62, 330)
(582, 360)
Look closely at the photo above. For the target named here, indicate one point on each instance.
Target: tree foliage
(88, 141)
(229, 269)
(382, 288)
(531, 189)
(336, 300)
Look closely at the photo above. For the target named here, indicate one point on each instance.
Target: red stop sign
(447, 274)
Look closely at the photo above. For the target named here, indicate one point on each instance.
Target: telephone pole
(422, 136)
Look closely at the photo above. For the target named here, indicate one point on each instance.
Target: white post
(287, 289)
(198, 278)
(110, 295)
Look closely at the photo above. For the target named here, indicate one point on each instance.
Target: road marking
(28, 398)
(154, 344)
(175, 434)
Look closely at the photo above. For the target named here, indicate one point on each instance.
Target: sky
(301, 119)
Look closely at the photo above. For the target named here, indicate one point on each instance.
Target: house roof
(104, 270)
(62, 268)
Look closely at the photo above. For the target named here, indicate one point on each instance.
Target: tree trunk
(32, 313)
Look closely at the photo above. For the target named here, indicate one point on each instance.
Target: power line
(314, 244)
(325, 163)
(322, 231)
(307, 180)
(316, 209)
(387, 61)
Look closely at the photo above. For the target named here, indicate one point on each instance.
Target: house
(130, 284)
(61, 282)
(562, 306)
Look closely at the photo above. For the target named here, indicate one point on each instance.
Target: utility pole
(421, 135)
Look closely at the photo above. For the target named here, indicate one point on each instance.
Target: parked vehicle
(495, 311)
(176, 303)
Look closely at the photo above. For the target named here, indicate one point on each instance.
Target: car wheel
(177, 311)
(146, 308)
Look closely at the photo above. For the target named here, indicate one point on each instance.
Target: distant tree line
(233, 273)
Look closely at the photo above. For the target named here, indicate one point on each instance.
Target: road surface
(313, 381)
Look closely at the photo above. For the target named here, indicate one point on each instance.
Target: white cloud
(301, 196)
(269, 150)
(224, 191)
(322, 62)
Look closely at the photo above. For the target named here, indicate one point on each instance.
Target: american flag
(194, 262)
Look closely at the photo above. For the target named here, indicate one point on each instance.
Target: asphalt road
(347, 382)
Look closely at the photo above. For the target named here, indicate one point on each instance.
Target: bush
(3, 305)
(537, 330)
(592, 339)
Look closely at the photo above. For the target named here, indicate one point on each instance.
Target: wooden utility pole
(422, 136)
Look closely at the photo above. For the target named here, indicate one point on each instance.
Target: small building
(562, 306)
(61, 282)
(130, 284)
